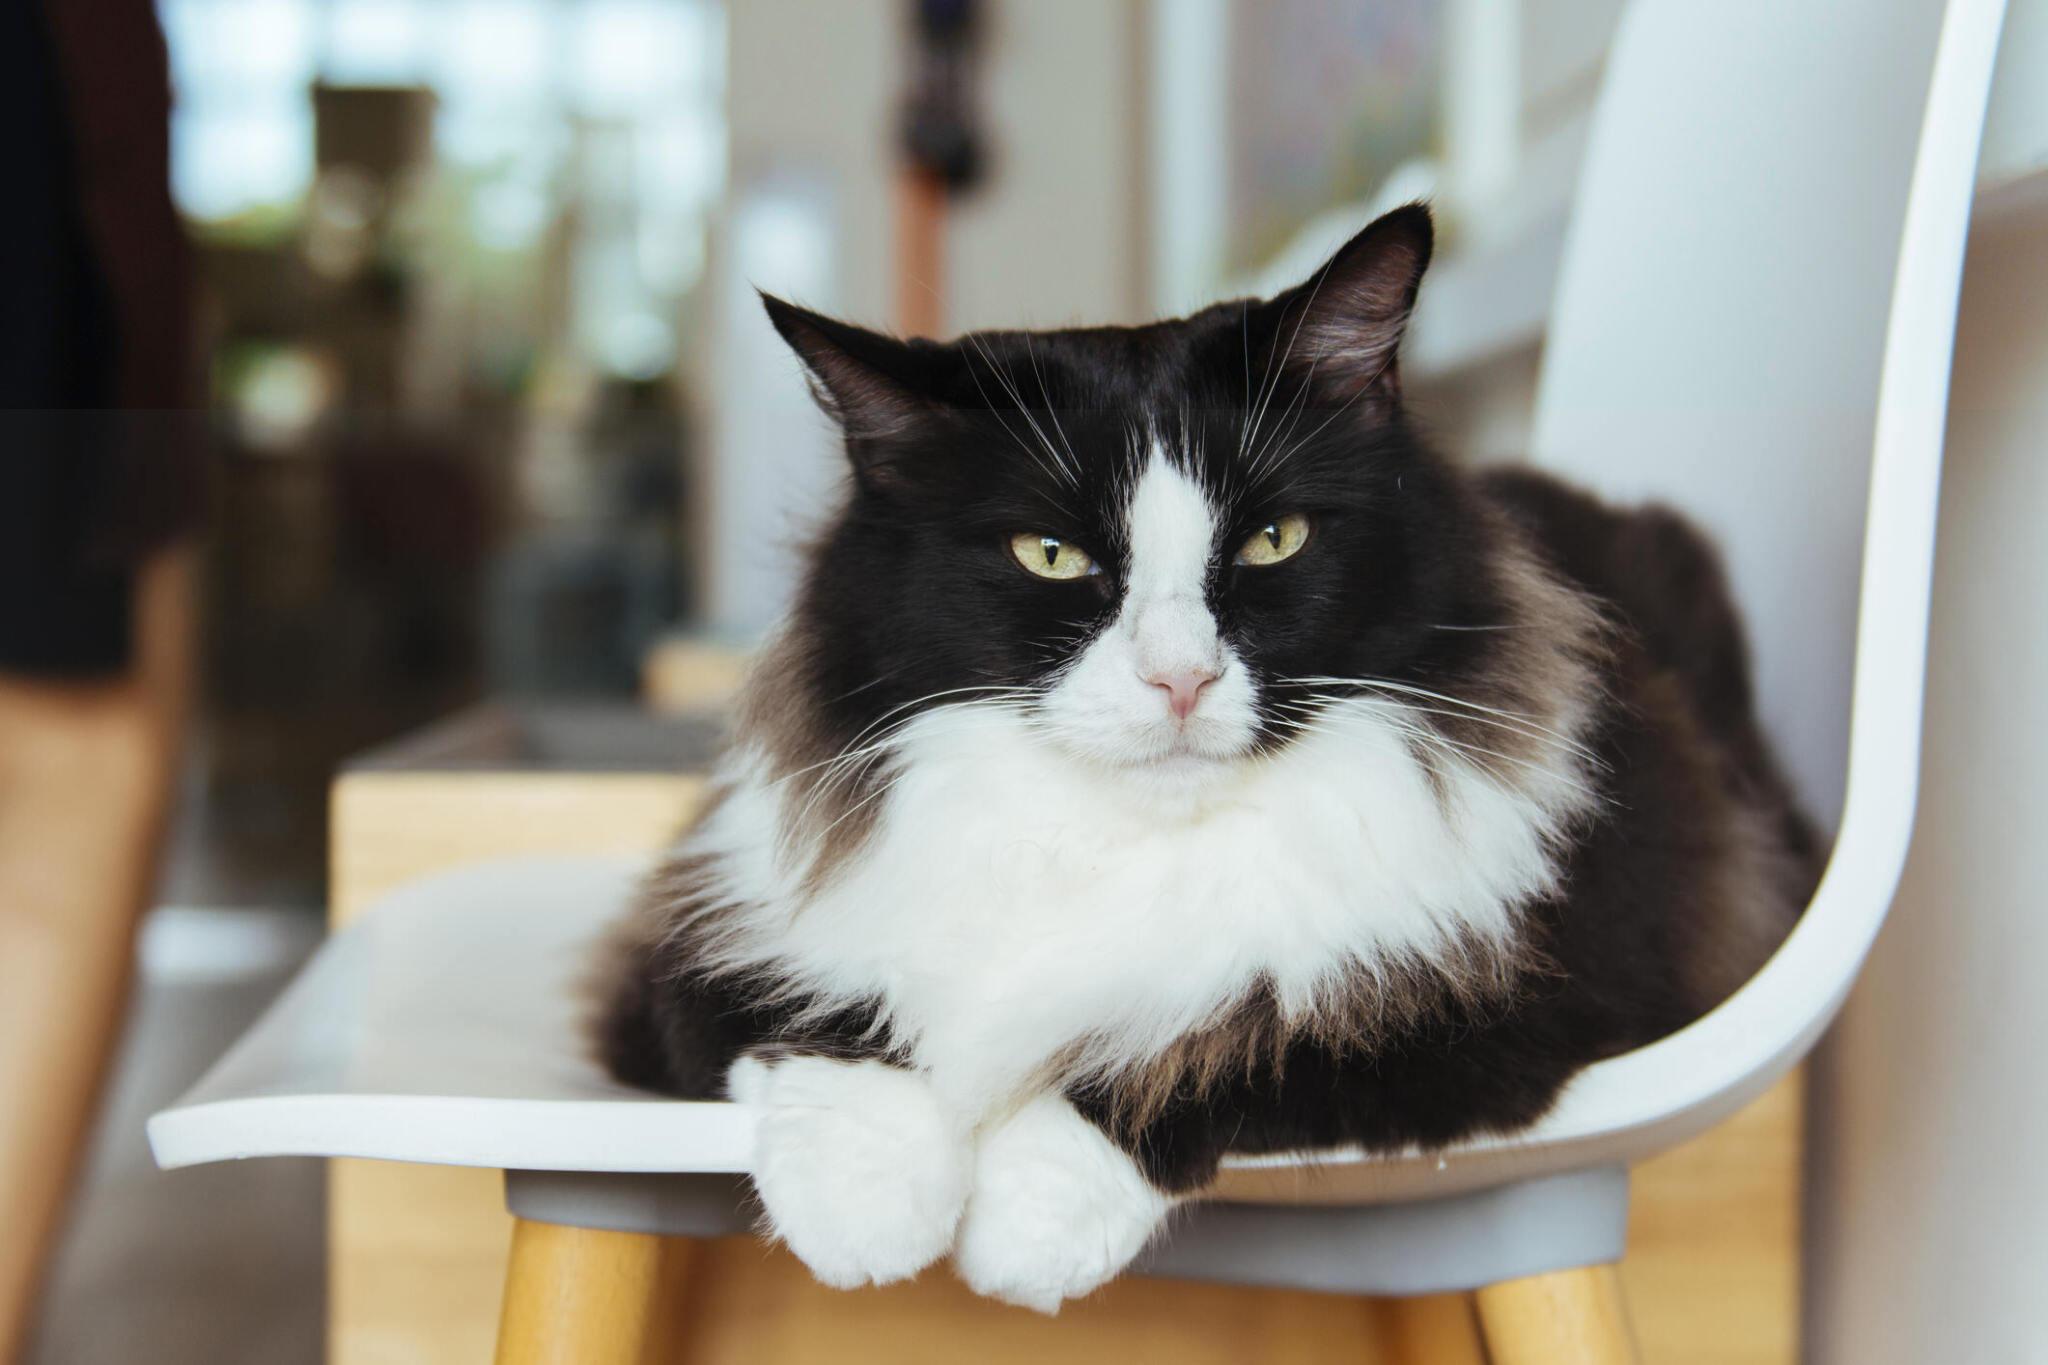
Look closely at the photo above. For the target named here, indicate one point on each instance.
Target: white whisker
(1057, 468)
(1050, 412)
(1387, 685)
(1071, 476)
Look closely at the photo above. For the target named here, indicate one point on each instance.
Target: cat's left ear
(867, 382)
(1347, 320)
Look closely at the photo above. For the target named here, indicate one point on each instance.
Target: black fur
(1408, 578)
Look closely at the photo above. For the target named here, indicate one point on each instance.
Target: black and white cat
(1169, 755)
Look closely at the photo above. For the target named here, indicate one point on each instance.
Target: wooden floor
(418, 1253)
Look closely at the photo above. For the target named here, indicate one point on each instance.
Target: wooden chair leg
(1569, 1317)
(580, 1296)
(1432, 1329)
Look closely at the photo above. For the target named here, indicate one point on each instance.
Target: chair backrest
(1718, 332)
(1755, 323)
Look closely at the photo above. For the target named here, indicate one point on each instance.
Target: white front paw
(1057, 1210)
(861, 1171)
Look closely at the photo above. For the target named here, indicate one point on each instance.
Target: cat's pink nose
(1183, 689)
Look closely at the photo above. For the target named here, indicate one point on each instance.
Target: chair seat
(445, 1027)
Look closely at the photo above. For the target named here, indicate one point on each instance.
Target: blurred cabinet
(417, 1253)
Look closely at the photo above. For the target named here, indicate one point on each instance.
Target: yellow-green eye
(1050, 557)
(1280, 538)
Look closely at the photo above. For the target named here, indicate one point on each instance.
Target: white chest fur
(1012, 906)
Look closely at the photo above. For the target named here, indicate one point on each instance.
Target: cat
(1169, 754)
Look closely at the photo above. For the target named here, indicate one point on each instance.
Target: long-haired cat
(1167, 755)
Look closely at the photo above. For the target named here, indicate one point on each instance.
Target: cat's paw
(860, 1169)
(1057, 1209)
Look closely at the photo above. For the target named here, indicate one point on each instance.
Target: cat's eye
(1280, 538)
(1051, 557)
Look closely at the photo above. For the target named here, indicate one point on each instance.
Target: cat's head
(1157, 543)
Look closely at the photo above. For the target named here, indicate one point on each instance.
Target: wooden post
(1569, 1317)
(580, 1296)
(920, 253)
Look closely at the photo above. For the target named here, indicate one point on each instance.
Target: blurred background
(490, 415)
(493, 408)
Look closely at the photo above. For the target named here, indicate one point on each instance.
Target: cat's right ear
(865, 381)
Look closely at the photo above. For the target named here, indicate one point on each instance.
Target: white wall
(1928, 1202)
(811, 91)
(1058, 235)
(1928, 1197)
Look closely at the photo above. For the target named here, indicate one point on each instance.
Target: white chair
(1754, 324)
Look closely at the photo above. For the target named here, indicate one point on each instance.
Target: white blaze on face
(1107, 705)
(1165, 612)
